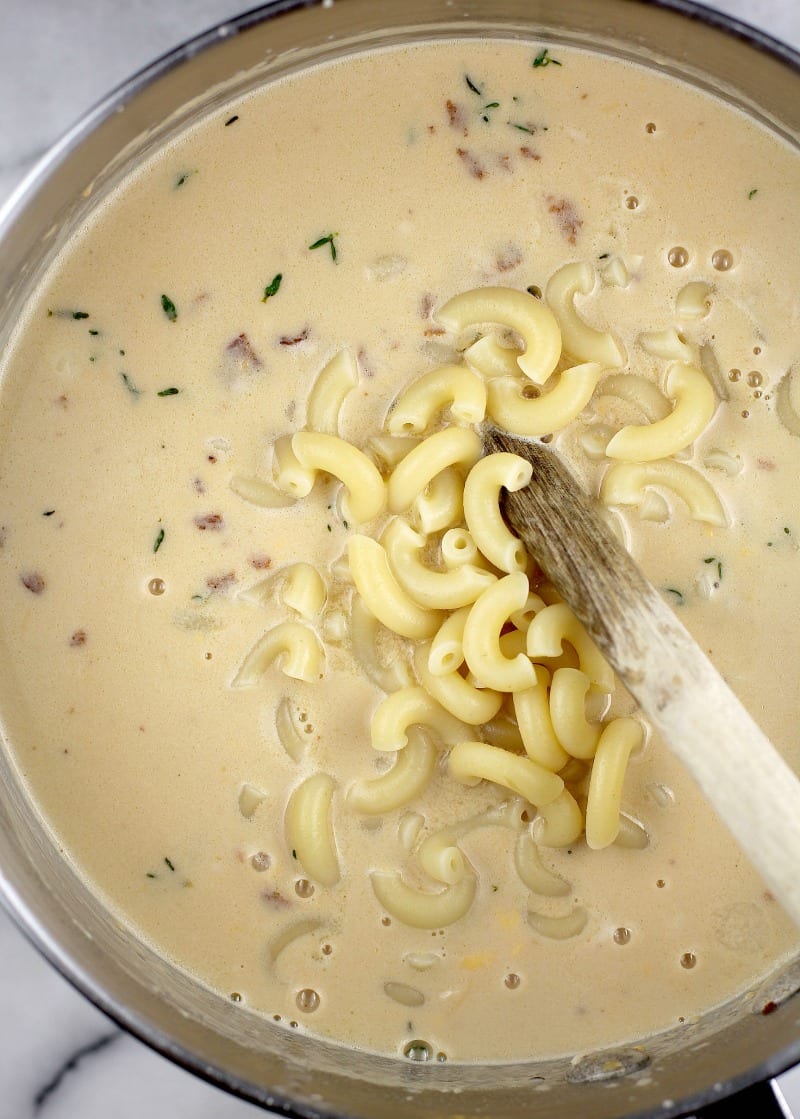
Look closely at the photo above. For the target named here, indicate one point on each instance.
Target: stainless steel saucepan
(736, 1050)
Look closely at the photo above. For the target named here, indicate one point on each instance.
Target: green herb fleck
(150, 874)
(80, 314)
(48, 512)
(327, 240)
(92, 358)
(169, 864)
(522, 128)
(330, 529)
(678, 595)
(129, 385)
(544, 58)
(169, 308)
(604, 256)
(495, 889)
(94, 333)
(181, 179)
(492, 105)
(345, 523)
(713, 559)
(273, 286)
(294, 853)
(159, 540)
(471, 85)
(752, 193)
(787, 530)
(231, 120)
(168, 392)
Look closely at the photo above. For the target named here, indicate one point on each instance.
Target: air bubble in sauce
(418, 1050)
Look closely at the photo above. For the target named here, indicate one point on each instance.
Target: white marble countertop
(59, 1056)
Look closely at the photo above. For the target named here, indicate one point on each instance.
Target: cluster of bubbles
(721, 259)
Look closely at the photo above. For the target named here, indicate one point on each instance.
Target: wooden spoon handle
(744, 778)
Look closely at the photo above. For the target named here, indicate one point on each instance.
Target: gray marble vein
(72, 1064)
(60, 1058)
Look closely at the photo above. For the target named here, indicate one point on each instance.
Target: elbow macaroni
(529, 317)
(482, 510)
(580, 340)
(542, 415)
(502, 669)
(453, 386)
(328, 392)
(695, 404)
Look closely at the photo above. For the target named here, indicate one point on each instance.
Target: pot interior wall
(124, 976)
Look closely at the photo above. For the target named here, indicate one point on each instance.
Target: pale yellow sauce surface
(117, 701)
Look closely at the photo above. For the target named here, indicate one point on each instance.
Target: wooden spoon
(741, 774)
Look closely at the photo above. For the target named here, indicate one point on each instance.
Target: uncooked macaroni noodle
(499, 638)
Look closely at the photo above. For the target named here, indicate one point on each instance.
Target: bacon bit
(361, 358)
(33, 581)
(455, 115)
(509, 260)
(221, 582)
(242, 350)
(275, 898)
(426, 305)
(199, 485)
(566, 216)
(529, 153)
(288, 340)
(261, 563)
(212, 459)
(766, 464)
(472, 164)
(212, 522)
(78, 638)
(769, 1008)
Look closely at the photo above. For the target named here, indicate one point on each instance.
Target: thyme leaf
(129, 385)
(159, 540)
(718, 562)
(232, 119)
(169, 864)
(544, 58)
(471, 85)
(172, 391)
(273, 286)
(522, 127)
(169, 308)
(329, 239)
(678, 595)
(752, 193)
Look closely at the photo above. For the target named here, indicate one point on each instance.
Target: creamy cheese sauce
(429, 170)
